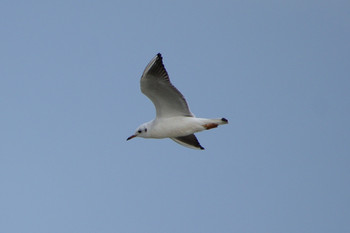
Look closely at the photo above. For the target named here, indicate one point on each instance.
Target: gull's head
(140, 132)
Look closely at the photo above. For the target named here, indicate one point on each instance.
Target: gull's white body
(174, 119)
(176, 126)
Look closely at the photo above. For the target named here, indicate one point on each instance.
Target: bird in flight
(174, 119)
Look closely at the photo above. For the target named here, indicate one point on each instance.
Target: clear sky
(70, 96)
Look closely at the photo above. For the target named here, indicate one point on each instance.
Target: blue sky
(69, 98)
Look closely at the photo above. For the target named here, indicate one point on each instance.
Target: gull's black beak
(132, 136)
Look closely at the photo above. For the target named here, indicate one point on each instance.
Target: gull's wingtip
(224, 120)
(159, 55)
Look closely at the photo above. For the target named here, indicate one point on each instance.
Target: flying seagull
(174, 119)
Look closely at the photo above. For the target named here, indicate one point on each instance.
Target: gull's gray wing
(189, 141)
(156, 85)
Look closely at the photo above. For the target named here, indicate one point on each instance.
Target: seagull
(174, 119)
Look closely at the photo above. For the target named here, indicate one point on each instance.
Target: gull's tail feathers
(213, 123)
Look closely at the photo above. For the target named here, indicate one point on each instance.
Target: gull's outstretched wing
(156, 85)
(189, 141)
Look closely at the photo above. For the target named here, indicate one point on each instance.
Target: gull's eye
(139, 131)
(145, 129)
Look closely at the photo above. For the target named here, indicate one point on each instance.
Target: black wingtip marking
(189, 141)
(159, 56)
(224, 120)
